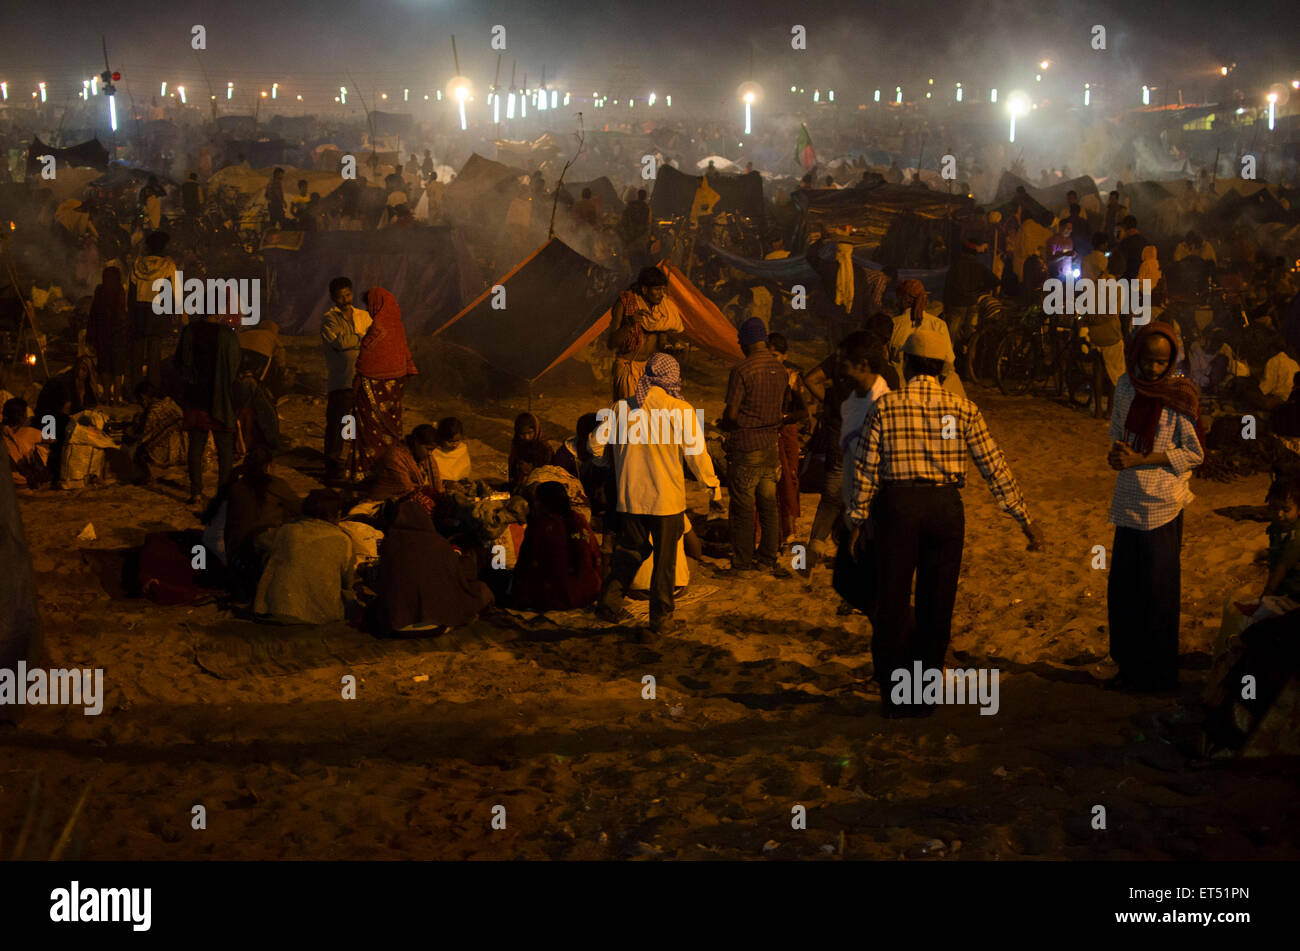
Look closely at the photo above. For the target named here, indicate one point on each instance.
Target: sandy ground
(762, 703)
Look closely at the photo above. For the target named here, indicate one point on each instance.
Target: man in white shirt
(861, 361)
(647, 437)
(341, 331)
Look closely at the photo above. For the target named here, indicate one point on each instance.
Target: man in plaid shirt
(912, 464)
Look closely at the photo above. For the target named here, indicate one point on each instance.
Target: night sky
(695, 48)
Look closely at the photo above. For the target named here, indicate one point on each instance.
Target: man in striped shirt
(911, 464)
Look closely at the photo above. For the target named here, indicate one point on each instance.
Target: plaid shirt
(1147, 497)
(904, 443)
(758, 385)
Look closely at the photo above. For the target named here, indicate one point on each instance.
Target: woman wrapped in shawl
(1157, 441)
(108, 332)
(383, 365)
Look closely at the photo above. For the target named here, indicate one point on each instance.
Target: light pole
(1017, 105)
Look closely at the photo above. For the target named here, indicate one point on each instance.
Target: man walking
(651, 487)
(341, 331)
(912, 465)
(756, 395)
(207, 361)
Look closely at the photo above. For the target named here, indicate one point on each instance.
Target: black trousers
(337, 405)
(1143, 594)
(920, 530)
(637, 536)
(198, 444)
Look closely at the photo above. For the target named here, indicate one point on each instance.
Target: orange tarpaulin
(706, 326)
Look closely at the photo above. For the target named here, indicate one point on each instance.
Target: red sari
(383, 365)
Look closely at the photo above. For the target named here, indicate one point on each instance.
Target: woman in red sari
(383, 365)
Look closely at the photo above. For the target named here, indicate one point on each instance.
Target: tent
(797, 269)
(558, 302)
(528, 155)
(478, 178)
(601, 188)
(895, 224)
(428, 270)
(674, 191)
(1052, 197)
(89, 154)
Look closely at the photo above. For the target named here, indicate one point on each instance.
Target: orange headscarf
(911, 294)
(384, 354)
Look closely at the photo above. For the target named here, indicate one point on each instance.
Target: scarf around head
(1151, 397)
(911, 294)
(662, 371)
(384, 354)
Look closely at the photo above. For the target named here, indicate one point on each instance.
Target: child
(1157, 441)
(1282, 590)
(451, 454)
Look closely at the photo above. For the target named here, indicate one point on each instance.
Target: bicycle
(978, 358)
(1042, 349)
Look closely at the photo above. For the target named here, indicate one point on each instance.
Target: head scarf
(752, 331)
(384, 354)
(662, 371)
(1173, 390)
(911, 294)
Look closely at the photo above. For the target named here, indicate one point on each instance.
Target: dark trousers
(831, 504)
(338, 404)
(751, 478)
(637, 536)
(145, 357)
(1143, 595)
(198, 443)
(920, 530)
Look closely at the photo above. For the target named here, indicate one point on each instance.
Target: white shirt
(1279, 375)
(854, 412)
(650, 477)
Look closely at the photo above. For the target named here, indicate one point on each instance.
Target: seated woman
(559, 565)
(308, 576)
(156, 439)
(451, 453)
(422, 585)
(527, 430)
(408, 466)
(258, 503)
(534, 472)
(26, 453)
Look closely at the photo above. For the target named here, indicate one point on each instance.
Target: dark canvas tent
(557, 302)
(478, 179)
(242, 126)
(428, 270)
(902, 225)
(1052, 197)
(601, 188)
(88, 154)
(674, 192)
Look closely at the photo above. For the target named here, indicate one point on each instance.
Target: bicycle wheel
(1014, 366)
